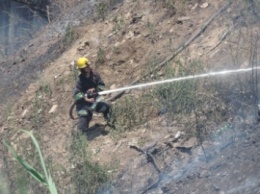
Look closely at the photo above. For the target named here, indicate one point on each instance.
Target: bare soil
(134, 37)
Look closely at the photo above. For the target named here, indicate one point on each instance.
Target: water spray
(139, 86)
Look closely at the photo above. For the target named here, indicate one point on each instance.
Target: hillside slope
(216, 149)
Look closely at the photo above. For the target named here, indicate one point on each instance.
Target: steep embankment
(18, 71)
(134, 37)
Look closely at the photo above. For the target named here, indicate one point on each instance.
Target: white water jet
(139, 86)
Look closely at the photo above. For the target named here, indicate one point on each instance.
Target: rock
(133, 142)
(195, 6)
(190, 143)
(53, 109)
(178, 135)
(128, 15)
(161, 74)
(112, 87)
(130, 35)
(136, 19)
(81, 48)
(24, 113)
(183, 18)
(204, 5)
(117, 44)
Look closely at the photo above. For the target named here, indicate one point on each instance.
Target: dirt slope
(133, 38)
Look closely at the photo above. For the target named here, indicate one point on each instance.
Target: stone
(204, 5)
(53, 109)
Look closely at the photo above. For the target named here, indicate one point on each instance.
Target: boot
(83, 123)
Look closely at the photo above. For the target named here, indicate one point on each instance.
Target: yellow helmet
(82, 62)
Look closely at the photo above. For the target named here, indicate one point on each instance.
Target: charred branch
(149, 156)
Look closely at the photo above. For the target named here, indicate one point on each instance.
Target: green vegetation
(87, 177)
(45, 178)
(69, 37)
(131, 112)
(200, 105)
(116, 50)
(101, 56)
(45, 89)
(119, 23)
(203, 107)
(101, 9)
(170, 4)
(151, 29)
(40, 103)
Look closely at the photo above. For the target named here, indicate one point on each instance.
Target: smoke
(216, 163)
(247, 186)
(223, 165)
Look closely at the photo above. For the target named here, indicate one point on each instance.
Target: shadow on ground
(95, 131)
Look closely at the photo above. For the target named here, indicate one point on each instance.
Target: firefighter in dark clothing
(88, 84)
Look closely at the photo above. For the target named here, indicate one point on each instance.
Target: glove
(91, 93)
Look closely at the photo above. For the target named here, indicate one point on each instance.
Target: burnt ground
(19, 70)
(231, 166)
(134, 37)
(226, 164)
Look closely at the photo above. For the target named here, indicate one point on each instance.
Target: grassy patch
(87, 177)
(101, 56)
(101, 9)
(118, 22)
(69, 37)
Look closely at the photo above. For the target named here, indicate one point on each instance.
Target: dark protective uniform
(85, 109)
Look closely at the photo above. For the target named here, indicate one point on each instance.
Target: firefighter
(88, 84)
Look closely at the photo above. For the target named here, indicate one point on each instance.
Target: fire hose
(88, 95)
